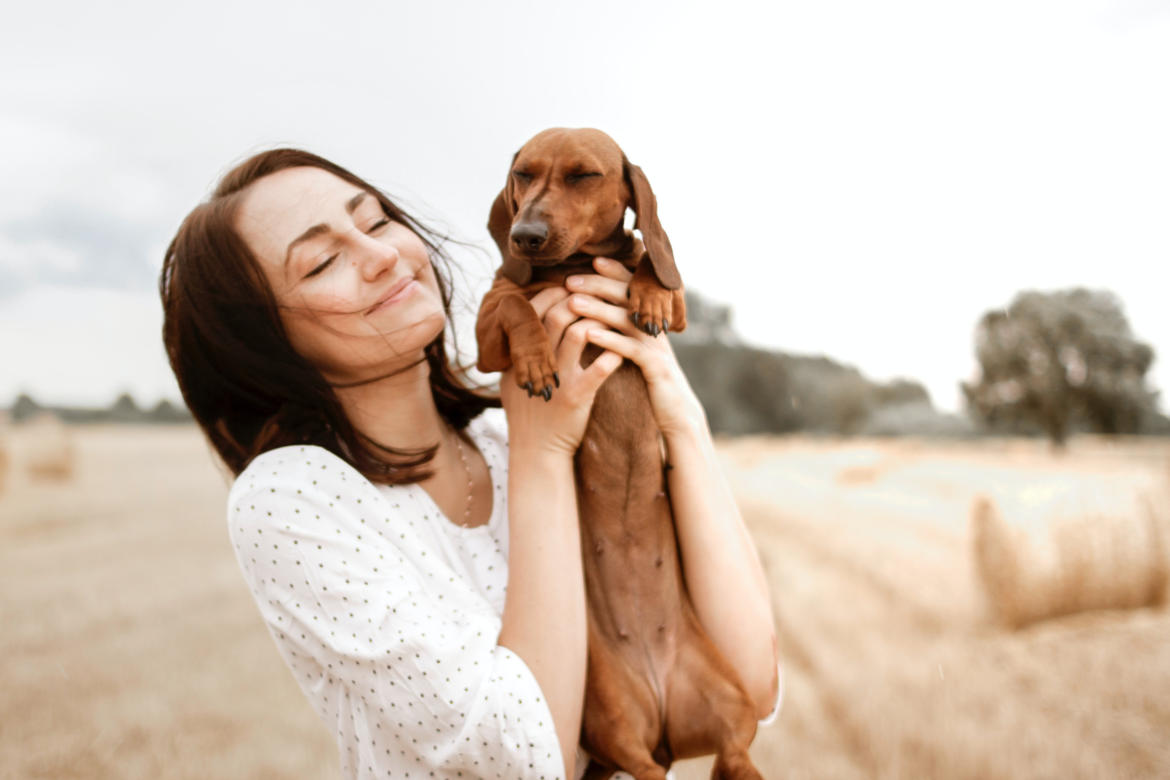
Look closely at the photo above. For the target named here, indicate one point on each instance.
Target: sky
(855, 179)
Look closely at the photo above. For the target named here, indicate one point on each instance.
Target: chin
(427, 325)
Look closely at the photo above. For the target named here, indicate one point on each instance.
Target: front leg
(653, 308)
(511, 335)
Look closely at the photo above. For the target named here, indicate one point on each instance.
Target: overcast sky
(858, 179)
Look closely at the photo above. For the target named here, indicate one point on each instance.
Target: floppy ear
(500, 226)
(653, 236)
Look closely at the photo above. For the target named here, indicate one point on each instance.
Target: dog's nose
(529, 236)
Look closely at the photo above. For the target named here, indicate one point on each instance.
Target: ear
(653, 236)
(500, 227)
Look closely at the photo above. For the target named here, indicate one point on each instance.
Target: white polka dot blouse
(387, 613)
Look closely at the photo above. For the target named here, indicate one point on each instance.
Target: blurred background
(926, 250)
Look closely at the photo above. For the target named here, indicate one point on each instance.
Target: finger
(612, 290)
(612, 269)
(599, 370)
(573, 344)
(614, 316)
(625, 346)
(557, 320)
(547, 298)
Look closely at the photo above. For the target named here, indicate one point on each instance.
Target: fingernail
(601, 261)
(580, 301)
(576, 281)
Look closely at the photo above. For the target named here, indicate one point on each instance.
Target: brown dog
(657, 689)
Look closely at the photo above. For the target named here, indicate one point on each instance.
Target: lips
(397, 292)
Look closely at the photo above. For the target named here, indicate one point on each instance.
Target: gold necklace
(467, 468)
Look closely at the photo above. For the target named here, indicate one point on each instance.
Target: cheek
(309, 336)
(336, 293)
(430, 299)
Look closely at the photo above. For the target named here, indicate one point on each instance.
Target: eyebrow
(318, 230)
(353, 202)
(311, 233)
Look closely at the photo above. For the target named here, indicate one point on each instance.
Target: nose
(530, 235)
(377, 258)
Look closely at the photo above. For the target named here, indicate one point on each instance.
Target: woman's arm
(724, 576)
(544, 614)
(722, 567)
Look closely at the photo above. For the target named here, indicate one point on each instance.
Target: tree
(1054, 362)
(747, 390)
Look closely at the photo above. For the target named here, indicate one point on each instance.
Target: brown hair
(244, 383)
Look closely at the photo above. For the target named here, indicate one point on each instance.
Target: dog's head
(567, 192)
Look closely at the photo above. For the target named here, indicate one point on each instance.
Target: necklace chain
(467, 468)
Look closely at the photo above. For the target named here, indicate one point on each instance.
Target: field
(130, 648)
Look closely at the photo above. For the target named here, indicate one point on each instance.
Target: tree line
(1050, 364)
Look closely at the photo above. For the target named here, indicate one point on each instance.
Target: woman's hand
(602, 298)
(557, 425)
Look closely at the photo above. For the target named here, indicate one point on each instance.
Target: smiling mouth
(398, 291)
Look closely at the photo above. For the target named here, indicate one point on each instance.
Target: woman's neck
(398, 411)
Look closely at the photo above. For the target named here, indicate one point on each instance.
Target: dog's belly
(633, 576)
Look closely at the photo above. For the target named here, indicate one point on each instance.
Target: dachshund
(657, 689)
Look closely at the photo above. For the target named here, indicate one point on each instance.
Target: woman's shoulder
(302, 472)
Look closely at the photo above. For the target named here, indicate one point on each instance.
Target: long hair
(246, 386)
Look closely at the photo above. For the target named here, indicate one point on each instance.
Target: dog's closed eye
(576, 178)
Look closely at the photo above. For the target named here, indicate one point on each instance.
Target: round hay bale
(1087, 549)
(47, 448)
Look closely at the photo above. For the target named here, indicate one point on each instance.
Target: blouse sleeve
(395, 649)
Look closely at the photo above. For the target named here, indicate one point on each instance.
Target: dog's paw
(534, 370)
(650, 306)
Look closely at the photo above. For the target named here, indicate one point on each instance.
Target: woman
(380, 518)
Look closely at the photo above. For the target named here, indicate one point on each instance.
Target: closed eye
(383, 222)
(321, 267)
(576, 178)
(524, 177)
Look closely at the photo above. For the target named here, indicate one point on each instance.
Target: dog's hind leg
(734, 763)
(621, 725)
(708, 709)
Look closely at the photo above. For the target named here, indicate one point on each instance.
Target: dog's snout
(530, 235)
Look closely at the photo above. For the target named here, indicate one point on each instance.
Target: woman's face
(357, 292)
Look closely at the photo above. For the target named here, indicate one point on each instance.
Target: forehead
(281, 206)
(569, 147)
(295, 197)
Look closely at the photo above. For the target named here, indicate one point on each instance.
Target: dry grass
(894, 669)
(131, 648)
(44, 446)
(5, 458)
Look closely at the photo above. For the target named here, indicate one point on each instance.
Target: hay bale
(47, 448)
(1090, 549)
